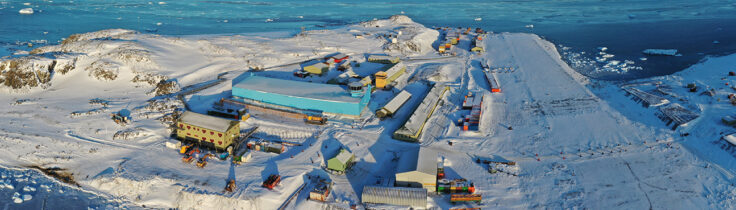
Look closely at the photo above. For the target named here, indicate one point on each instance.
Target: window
(219, 142)
(212, 133)
(181, 125)
(189, 127)
(204, 139)
(204, 131)
(219, 134)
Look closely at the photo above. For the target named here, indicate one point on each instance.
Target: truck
(272, 181)
(454, 198)
(315, 120)
(397, 102)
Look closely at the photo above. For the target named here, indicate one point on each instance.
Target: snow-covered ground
(578, 143)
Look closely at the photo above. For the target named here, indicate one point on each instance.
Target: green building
(341, 162)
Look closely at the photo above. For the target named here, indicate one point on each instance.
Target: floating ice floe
(478, 19)
(269, 20)
(643, 59)
(16, 198)
(161, 3)
(529, 26)
(670, 52)
(602, 49)
(27, 4)
(159, 23)
(716, 42)
(300, 17)
(27, 197)
(29, 189)
(26, 11)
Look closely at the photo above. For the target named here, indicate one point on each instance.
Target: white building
(418, 168)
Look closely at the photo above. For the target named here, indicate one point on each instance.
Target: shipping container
(493, 82)
(275, 148)
(465, 198)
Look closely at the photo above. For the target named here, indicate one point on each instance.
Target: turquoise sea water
(626, 27)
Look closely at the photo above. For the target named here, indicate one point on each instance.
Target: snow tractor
(122, 117)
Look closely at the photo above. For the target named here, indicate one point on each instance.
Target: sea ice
(27, 197)
(29, 189)
(26, 11)
(669, 52)
(16, 198)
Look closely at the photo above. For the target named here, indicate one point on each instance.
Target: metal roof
(398, 101)
(403, 196)
(297, 89)
(422, 160)
(206, 121)
(414, 125)
(395, 68)
(344, 156)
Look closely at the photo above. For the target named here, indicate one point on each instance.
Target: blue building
(306, 97)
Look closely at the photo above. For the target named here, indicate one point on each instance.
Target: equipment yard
(552, 138)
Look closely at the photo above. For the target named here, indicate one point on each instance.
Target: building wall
(219, 139)
(416, 179)
(315, 69)
(335, 164)
(336, 107)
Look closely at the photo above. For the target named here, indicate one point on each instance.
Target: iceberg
(26, 11)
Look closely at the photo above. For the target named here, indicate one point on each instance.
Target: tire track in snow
(71, 134)
(639, 184)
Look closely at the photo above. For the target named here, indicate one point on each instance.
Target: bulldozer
(315, 120)
(189, 157)
(202, 162)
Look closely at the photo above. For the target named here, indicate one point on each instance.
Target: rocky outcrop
(103, 55)
(25, 72)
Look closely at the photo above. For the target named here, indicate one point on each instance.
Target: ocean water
(45, 193)
(625, 27)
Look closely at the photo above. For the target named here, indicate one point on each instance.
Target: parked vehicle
(315, 120)
(272, 181)
(301, 74)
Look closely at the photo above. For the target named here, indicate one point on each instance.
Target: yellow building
(318, 68)
(384, 78)
(207, 131)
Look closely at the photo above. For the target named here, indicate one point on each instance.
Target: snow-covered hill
(575, 140)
